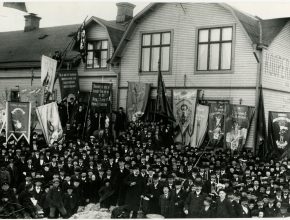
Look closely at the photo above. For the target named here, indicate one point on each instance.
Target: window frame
(233, 42)
(168, 72)
(12, 98)
(94, 41)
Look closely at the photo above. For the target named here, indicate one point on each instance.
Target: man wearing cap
(70, 201)
(55, 200)
(194, 203)
(271, 210)
(179, 196)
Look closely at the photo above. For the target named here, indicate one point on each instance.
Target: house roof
(115, 30)
(24, 49)
(255, 27)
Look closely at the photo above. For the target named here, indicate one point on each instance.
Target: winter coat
(55, 198)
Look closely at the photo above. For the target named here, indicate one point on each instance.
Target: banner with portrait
(18, 117)
(200, 125)
(216, 123)
(184, 109)
(48, 71)
(69, 83)
(50, 122)
(137, 99)
(2, 113)
(237, 126)
(279, 133)
(101, 97)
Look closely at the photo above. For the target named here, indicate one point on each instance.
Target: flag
(48, 71)
(216, 123)
(137, 99)
(2, 113)
(18, 120)
(80, 41)
(237, 126)
(279, 134)
(184, 105)
(261, 137)
(68, 83)
(16, 5)
(162, 106)
(50, 122)
(200, 125)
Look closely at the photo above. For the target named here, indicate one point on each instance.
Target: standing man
(120, 122)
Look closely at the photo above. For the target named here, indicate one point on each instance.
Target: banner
(184, 109)
(200, 125)
(16, 5)
(101, 97)
(216, 122)
(279, 133)
(48, 70)
(137, 99)
(69, 84)
(237, 126)
(50, 122)
(35, 97)
(18, 120)
(2, 114)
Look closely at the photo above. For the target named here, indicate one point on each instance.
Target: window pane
(156, 39)
(227, 33)
(90, 46)
(145, 59)
(203, 36)
(146, 39)
(166, 38)
(202, 57)
(104, 44)
(226, 56)
(104, 59)
(214, 57)
(155, 58)
(90, 60)
(215, 34)
(165, 59)
(97, 62)
(98, 45)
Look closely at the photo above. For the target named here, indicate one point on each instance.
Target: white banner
(48, 71)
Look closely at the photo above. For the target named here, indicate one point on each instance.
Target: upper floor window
(155, 46)
(214, 49)
(14, 96)
(97, 54)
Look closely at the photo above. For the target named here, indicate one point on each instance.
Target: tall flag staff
(86, 116)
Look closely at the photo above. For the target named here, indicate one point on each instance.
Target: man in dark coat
(179, 196)
(55, 200)
(135, 189)
(194, 203)
(25, 199)
(224, 208)
(120, 122)
(70, 201)
(166, 203)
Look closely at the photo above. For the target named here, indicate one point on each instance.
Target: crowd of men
(140, 169)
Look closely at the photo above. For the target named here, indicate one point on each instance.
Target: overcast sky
(55, 13)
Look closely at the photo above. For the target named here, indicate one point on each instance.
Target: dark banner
(18, 120)
(137, 99)
(69, 83)
(237, 126)
(279, 132)
(216, 123)
(101, 97)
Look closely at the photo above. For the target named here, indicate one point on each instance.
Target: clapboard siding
(280, 47)
(170, 16)
(96, 31)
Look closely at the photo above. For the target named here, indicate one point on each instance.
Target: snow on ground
(92, 211)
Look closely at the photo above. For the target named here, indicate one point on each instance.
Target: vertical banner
(69, 83)
(279, 133)
(48, 71)
(216, 122)
(34, 96)
(18, 120)
(184, 109)
(2, 114)
(237, 126)
(50, 122)
(137, 99)
(101, 97)
(200, 125)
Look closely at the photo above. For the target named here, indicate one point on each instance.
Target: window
(214, 49)
(155, 46)
(14, 95)
(97, 54)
